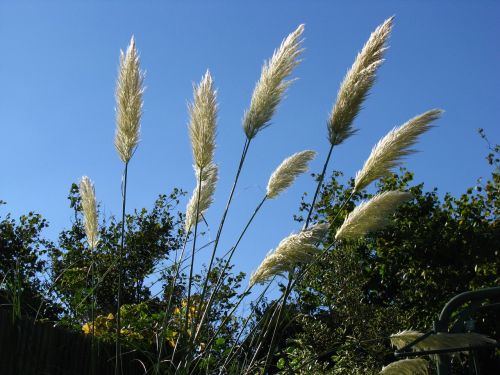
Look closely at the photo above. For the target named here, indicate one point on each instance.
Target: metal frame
(463, 323)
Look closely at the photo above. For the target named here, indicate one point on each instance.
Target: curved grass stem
(118, 361)
(222, 275)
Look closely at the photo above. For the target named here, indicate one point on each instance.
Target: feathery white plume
(87, 194)
(356, 84)
(440, 340)
(296, 248)
(396, 144)
(272, 84)
(273, 264)
(416, 366)
(371, 215)
(208, 182)
(286, 173)
(129, 90)
(202, 127)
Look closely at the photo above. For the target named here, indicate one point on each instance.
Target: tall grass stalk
(222, 275)
(129, 92)
(165, 323)
(223, 219)
(89, 207)
(266, 97)
(195, 234)
(281, 179)
(118, 362)
(353, 91)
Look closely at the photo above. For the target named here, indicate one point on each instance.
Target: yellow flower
(110, 316)
(86, 328)
(171, 342)
(177, 311)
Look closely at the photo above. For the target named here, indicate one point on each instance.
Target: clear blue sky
(58, 69)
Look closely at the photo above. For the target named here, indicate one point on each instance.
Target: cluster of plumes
(371, 215)
(357, 83)
(415, 366)
(286, 173)
(202, 127)
(89, 207)
(440, 340)
(197, 206)
(296, 248)
(129, 91)
(272, 84)
(387, 153)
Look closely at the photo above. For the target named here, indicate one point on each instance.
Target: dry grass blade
(454, 340)
(440, 340)
(395, 145)
(87, 194)
(202, 127)
(208, 183)
(403, 338)
(296, 248)
(407, 367)
(272, 84)
(286, 173)
(357, 83)
(129, 90)
(371, 215)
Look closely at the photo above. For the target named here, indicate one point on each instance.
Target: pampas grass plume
(273, 264)
(87, 194)
(209, 179)
(286, 173)
(416, 366)
(202, 126)
(395, 145)
(272, 84)
(356, 84)
(371, 215)
(129, 90)
(296, 248)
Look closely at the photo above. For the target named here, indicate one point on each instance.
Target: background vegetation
(340, 315)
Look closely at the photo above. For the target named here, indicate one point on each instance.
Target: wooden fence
(28, 348)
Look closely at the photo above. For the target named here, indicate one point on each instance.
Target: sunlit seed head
(357, 84)
(286, 173)
(89, 207)
(129, 91)
(272, 84)
(203, 118)
(389, 151)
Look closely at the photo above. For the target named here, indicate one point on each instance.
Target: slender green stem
(170, 296)
(190, 282)
(223, 219)
(292, 273)
(318, 187)
(263, 333)
(242, 330)
(227, 264)
(280, 312)
(119, 292)
(92, 312)
(292, 282)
